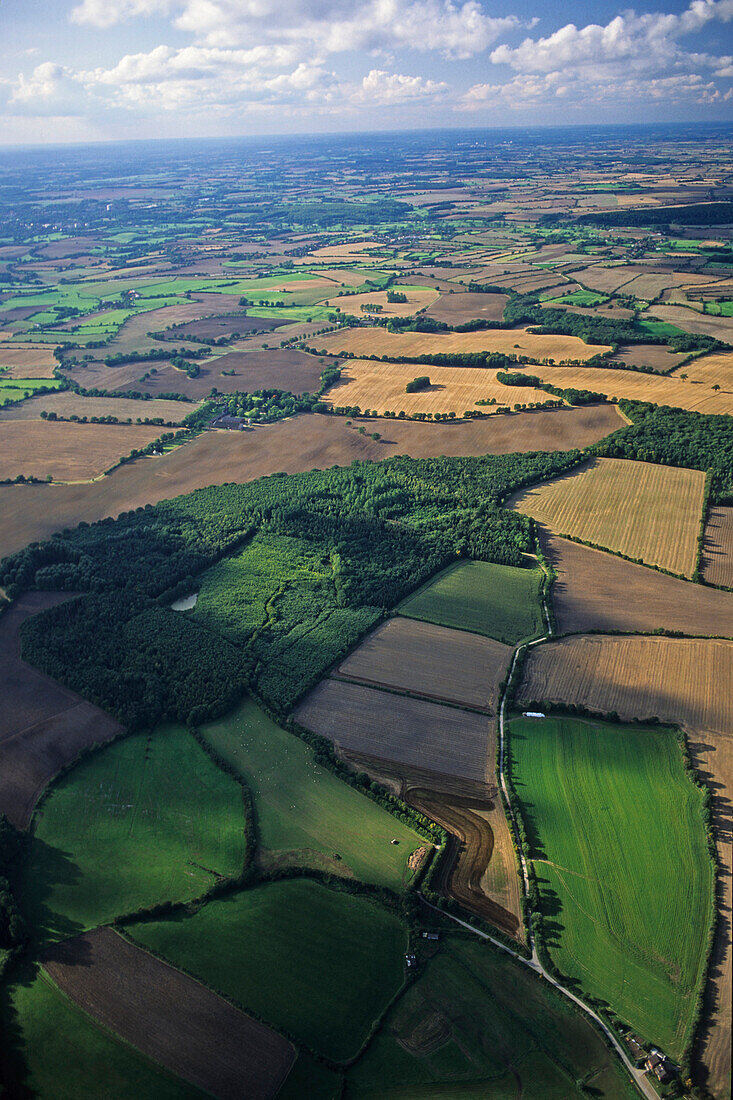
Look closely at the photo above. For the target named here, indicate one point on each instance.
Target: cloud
(456, 29)
(379, 88)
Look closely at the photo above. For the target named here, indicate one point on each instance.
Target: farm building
(238, 423)
(657, 1064)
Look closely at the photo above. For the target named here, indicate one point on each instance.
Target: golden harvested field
(432, 661)
(67, 451)
(717, 558)
(401, 730)
(417, 298)
(381, 387)
(638, 509)
(597, 591)
(658, 389)
(353, 252)
(677, 680)
(412, 345)
(712, 370)
(170, 1017)
(27, 361)
(30, 512)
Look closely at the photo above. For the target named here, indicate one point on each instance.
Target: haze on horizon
(91, 70)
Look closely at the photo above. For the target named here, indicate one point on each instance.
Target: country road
(639, 1078)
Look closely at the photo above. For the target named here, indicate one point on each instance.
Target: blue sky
(90, 70)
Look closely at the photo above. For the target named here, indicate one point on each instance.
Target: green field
(319, 963)
(577, 298)
(145, 820)
(305, 815)
(719, 309)
(472, 1025)
(618, 843)
(60, 1054)
(500, 601)
(15, 389)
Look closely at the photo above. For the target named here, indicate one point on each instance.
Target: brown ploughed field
(597, 591)
(684, 681)
(68, 451)
(66, 403)
(170, 1017)
(657, 357)
(637, 509)
(413, 345)
(23, 361)
(717, 555)
(30, 512)
(43, 726)
(482, 875)
(400, 729)
(456, 309)
(432, 661)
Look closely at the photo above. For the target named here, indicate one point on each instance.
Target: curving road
(639, 1078)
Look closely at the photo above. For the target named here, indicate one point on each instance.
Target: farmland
(474, 1025)
(66, 451)
(305, 815)
(324, 945)
(399, 729)
(42, 725)
(28, 513)
(413, 345)
(499, 601)
(21, 361)
(717, 558)
(159, 822)
(685, 681)
(599, 803)
(63, 1050)
(430, 661)
(66, 404)
(197, 1035)
(636, 386)
(597, 591)
(381, 388)
(647, 512)
(418, 298)
(456, 309)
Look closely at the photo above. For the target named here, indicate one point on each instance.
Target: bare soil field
(658, 357)
(224, 325)
(677, 680)
(456, 309)
(381, 387)
(657, 389)
(27, 362)
(417, 298)
(412, 345)
(482, 873)
(597, 591)
(721, 328)
(717, 556)
(170, 1017)
(29, 512)
(67, 451)
(279, 368)
(608, 279)
(431, 661)
(399, 729)
(66, 403)
(638, 509)
(43, 726)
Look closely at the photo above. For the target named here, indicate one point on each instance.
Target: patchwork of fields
(647, 512)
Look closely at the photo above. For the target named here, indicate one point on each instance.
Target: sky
(105, 70)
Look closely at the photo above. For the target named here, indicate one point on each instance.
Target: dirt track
(170, 1017)
(43, 726)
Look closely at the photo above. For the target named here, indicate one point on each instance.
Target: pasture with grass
(305, 815)
(618, 848)
(301, 956)
(501, 601)
(145, 820)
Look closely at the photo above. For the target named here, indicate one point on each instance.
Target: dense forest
(348, 544)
